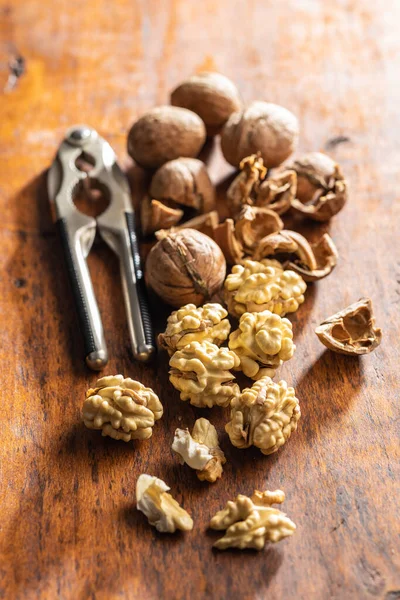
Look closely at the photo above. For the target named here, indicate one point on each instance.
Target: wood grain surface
(68, 524)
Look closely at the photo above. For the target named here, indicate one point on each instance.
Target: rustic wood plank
(69, 528)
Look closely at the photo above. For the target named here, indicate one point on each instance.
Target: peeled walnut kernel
(201, 372)
(211, 95)
(264, 416)
(184, 181)
(155, 215)
(161, 509)
(321, 187)
(165, 133)
(262, 127)
(185, 267)
(251, 522)
(123, 409)
(192, 324)
(262, 342)
(200, 450)
(352, 330)
(255, 286)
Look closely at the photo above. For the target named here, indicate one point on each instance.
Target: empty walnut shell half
(315, 261)
(185, 267)
(184, 181)
(252, 224)
(225, 236)
(155, 215)
(321, 187)
(278, 191)
(352, 330)
(212, 96)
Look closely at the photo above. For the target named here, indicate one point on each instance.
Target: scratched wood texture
(68, 526)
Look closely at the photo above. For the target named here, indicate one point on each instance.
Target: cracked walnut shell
(123, 409)
(255, 286)
(251, 522)
(321, 187)
(155, 215)
(263, 341)
(161, 509)
(195, 324)
(200, 450)
(264, 416)
(352, 330)
(201, 372)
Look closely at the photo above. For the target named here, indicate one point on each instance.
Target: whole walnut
(185, 267)
(211, 95)
(184, 181)
(165, 133)
(264, 128)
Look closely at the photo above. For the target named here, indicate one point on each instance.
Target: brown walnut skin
(212, 96)
(184, 181)
(165, 133)
(185, 267)
(262, 127)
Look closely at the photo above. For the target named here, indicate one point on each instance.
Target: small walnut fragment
(277, 191)
(201, 372)
(244, 188)
(121, 408)
(255, 286)
(161, 509)
(262, 342)
(225, 236)
(264, 416)
(191, 323)
(200, 450)
(321, 187)
(352, 330)
(252, 522)
(155, 215)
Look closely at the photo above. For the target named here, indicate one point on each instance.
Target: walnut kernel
(161, 509)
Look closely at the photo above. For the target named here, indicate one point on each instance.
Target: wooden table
(68, 526)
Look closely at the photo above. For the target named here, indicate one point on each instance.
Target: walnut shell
(184, 181)
(262, 127)
(212, 96)
(185, 267)
(165, 133)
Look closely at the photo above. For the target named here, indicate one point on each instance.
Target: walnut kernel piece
(262, 342)
(201, 372)
(277, 192)
(165, 133)
(161, 509)
(155, 215)
(185, 267)
(192, 324)
(251, 522)
(123, 409)
(352, 330)
(261, 127)
(200, 450)
(255, 286)
(264, 416)
(184, 181)
(321, 187)
(211, 95)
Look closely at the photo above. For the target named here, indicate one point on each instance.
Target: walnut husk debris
(211, 95)
(121, 408)
(262, 127)
(311, 261)
(195, 324)
(251, 187)
(155, 215)
(184, 181)
(263, 341)
(165, 133)
(321, 186)
(200, 450)
(255, 286)
(161, 509)
(252, 522)
(352, 330)
(264, 416)
(185, 267)
(201, 372)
